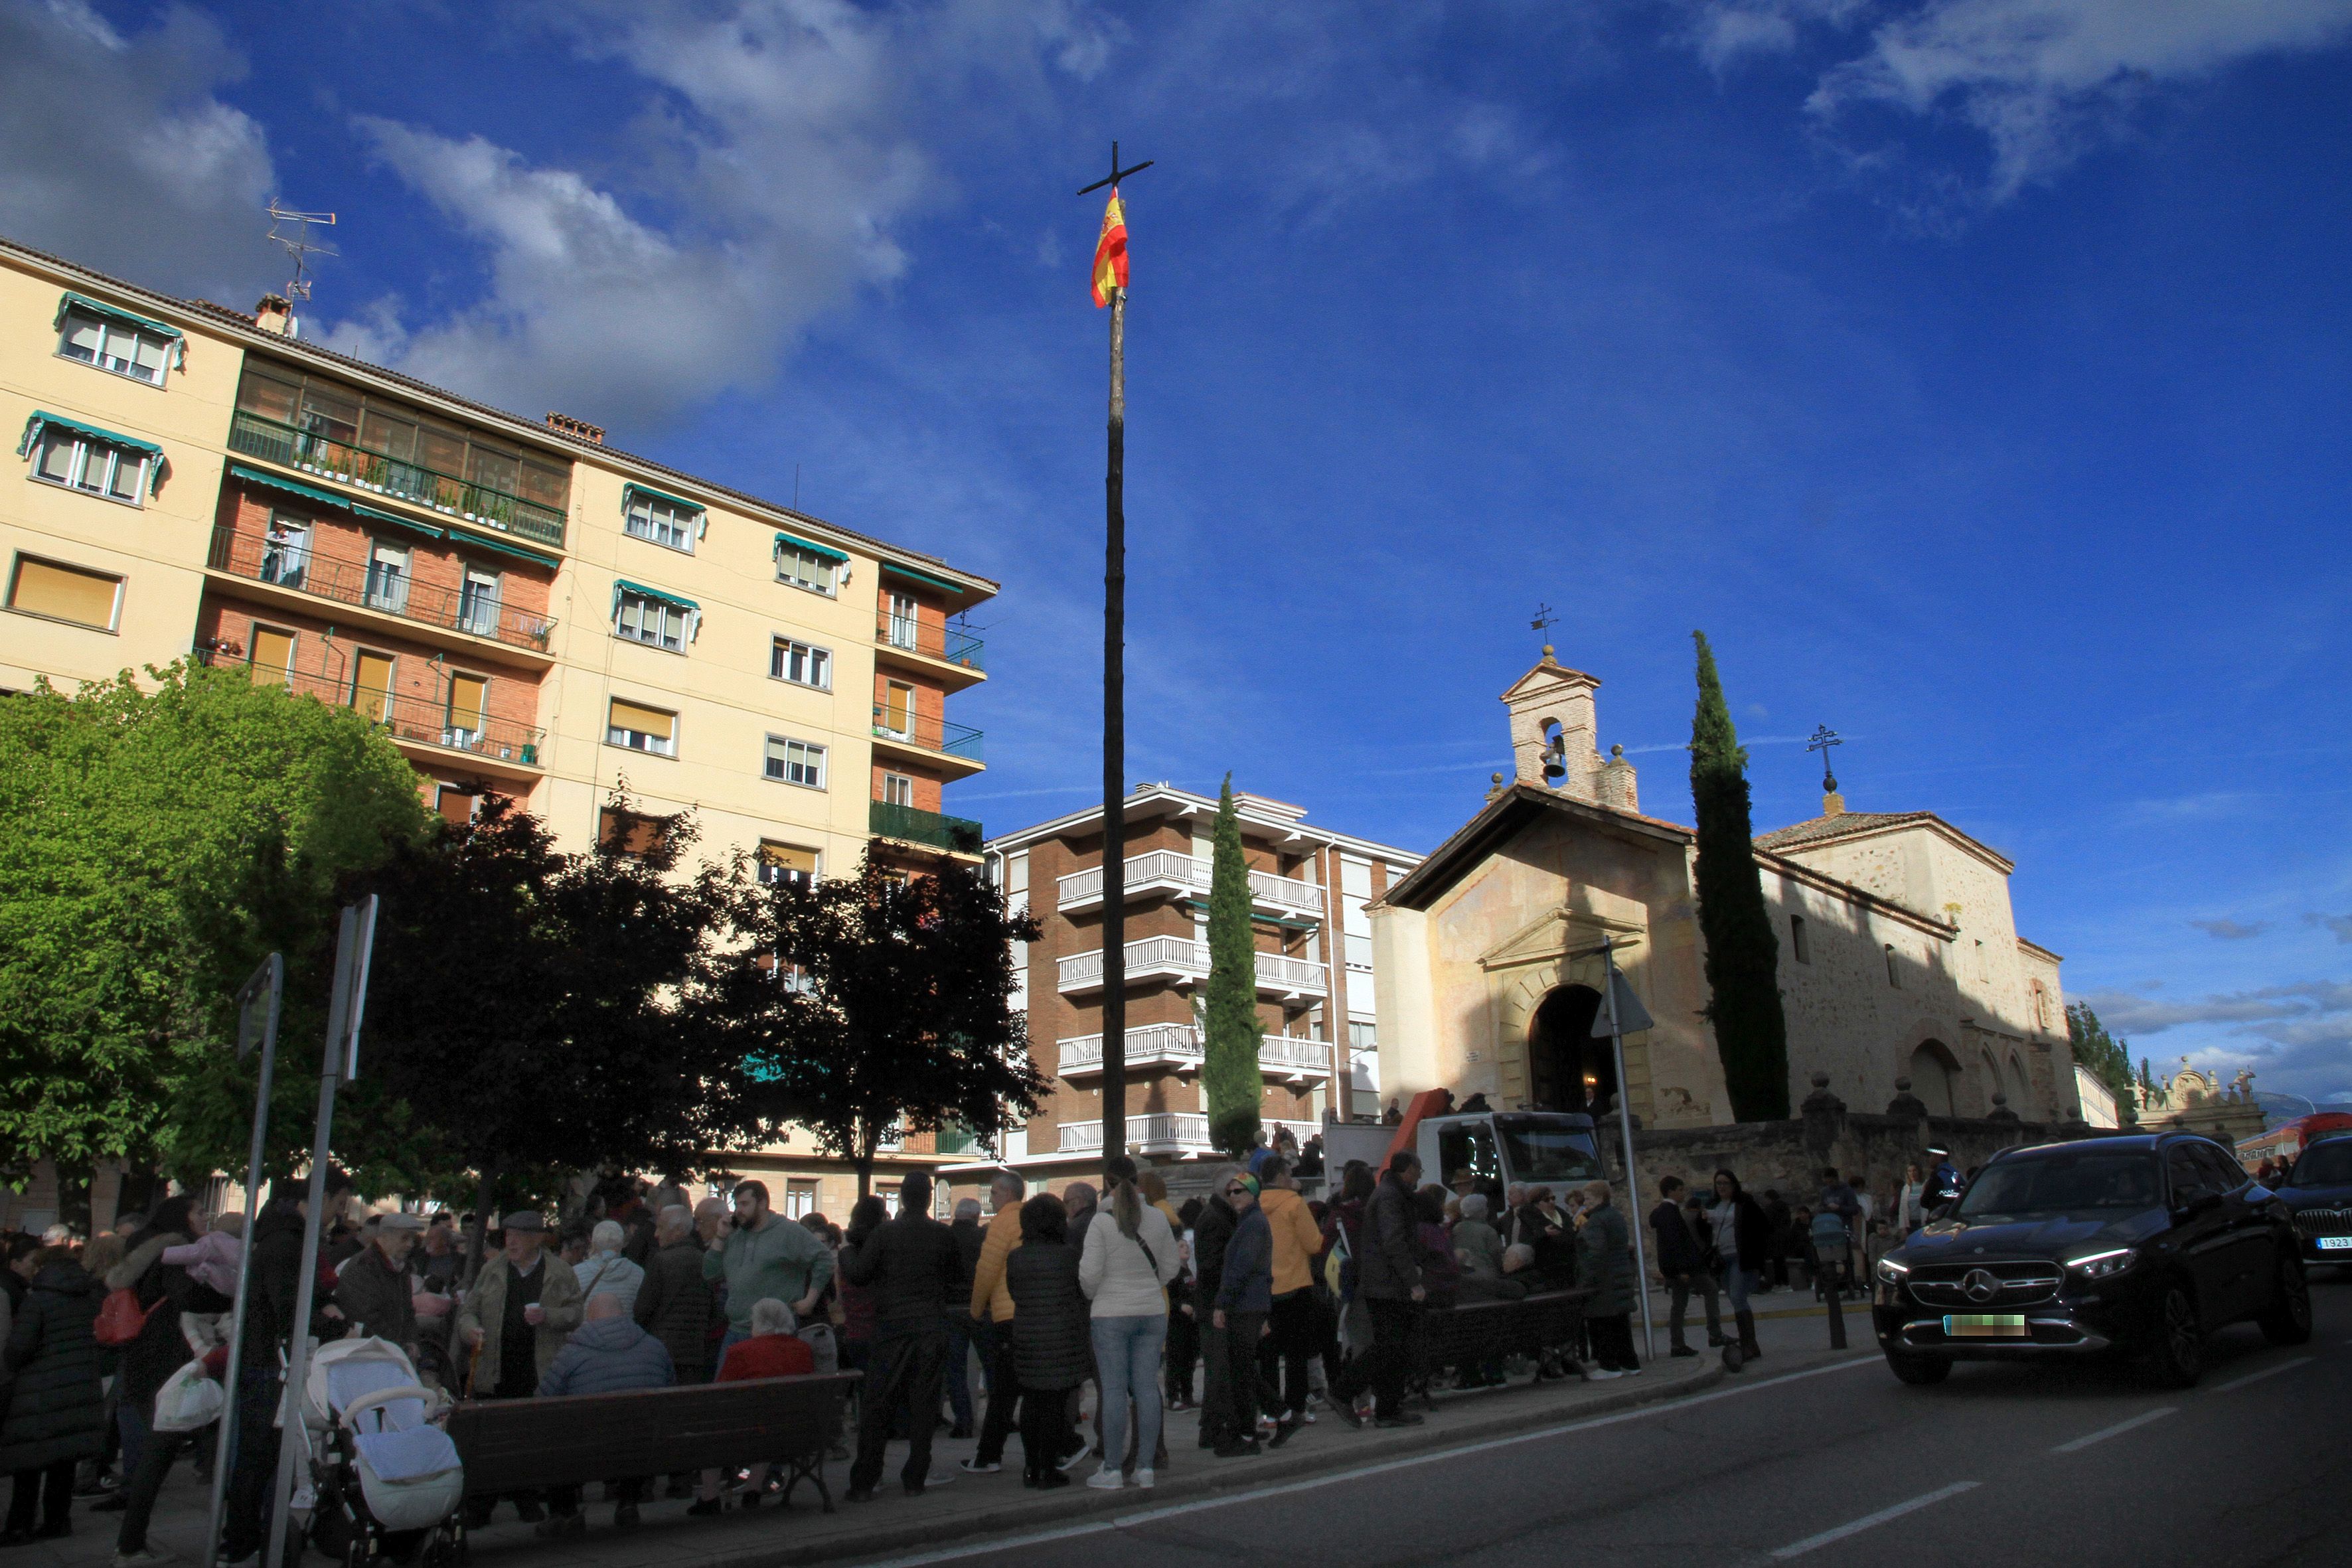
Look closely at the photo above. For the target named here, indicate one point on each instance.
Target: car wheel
(1919, 1371)
(2176, 1355)
(2288, 1321)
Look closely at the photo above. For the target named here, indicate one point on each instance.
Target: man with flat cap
(372, 1289)
(521, 1311)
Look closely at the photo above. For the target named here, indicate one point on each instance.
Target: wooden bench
(1484, 1330)
(523, 1445)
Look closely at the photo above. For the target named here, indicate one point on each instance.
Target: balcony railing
(1158, 870)
(929, 730)
(944, 643)
(370, 587)
(884, 820)
(1284, 1055)
(1184, 959)
(423, 721)
(292, 446)
(1165, 1133)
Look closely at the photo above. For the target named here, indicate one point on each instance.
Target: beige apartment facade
(1309, 887)
(525, 610)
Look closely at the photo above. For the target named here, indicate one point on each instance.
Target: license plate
(2335, 1243)
(1986, 1326)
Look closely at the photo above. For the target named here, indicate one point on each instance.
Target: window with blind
(65, 593)
(457, 805)
(660, 520)
(795, 763)
(97, 467)
(272, 661)
(630, 834)
(641, 618)
(805, 569)
(115, 346)
(897, 789)
(642, 728)
(469, 695)
(786, 864)
(372, 685)
(897, 708)
(800, 664)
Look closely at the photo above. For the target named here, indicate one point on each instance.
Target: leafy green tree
(2105, 1055)
(865, 1005)
(541, 1011)
(1751, 1034)
(1229, 1084)
(156, 841)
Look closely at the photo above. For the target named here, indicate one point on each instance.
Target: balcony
(910, 825)
(1181, 1046)
(929, 740)
(1183, 960)
(420, 722)
(1172, 871)
(368, 588)
(937, 651)
(1163, 1133)
(292, 446)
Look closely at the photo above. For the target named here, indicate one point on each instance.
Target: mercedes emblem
(1980, 1285)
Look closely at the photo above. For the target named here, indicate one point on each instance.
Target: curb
(1031, 1513)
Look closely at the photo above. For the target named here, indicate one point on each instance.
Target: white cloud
(2296, 1036)
(782, 142)
(2042, 81)
(120, 154)
(2232, 930)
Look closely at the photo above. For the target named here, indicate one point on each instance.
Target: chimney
(274, 314)
(578, 429)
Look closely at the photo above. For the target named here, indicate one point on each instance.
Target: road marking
(2266, 1372)
(1257, 1494)
(2118, 1429)
(1871, 1521)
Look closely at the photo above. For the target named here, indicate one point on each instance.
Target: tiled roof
(1819, 827)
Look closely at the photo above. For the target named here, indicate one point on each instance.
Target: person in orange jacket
(1297, 1240)
(991, 1313)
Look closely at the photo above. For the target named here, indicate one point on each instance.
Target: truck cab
(1554, 1149)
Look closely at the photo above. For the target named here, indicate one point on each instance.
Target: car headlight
(2103, 1265)
(1890, 1272)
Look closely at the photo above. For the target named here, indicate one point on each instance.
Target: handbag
(190, 1398)
(119, 1318)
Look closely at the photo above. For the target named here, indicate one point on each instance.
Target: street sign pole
(1625, 1124)
(353, 945)
(257, 1013)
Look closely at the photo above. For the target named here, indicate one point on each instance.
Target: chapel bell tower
(1553, 720)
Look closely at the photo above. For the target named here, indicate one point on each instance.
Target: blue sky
(1974, 371)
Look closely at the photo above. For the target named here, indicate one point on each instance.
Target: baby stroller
(386, 1478)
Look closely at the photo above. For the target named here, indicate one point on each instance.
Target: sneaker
(1601, 1373)
(1282, 1434)
(1085, 1447)
(1143, 1477)
(1051, 1479)
(1106, 1479)
(1683, 1350)
(979, 1467)
(706, 1508)
(935, 1479)
(1347, 1412)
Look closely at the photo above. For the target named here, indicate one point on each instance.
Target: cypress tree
(1743, 957)
(1229, 1071)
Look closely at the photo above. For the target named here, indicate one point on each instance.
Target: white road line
(1871, 1521)
(1256, 1494)
(2118, 1429)
(2266, 1372)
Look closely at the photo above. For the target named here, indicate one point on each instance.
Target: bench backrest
(1548, 1318)
(513, 1444)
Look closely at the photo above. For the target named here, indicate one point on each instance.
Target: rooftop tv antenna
(290, 231)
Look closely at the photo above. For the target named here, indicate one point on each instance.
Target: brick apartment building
(1308, 887)
(523, 609)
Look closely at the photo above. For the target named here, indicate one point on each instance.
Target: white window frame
(895, 785)
(665, 523)
(761, 867)
(644, 603)
(376, 598)
(780, 768)
(108, 330)
(817, 574)
(82, 450)
(478, 612)
(905, 612)
(652, 745)
(818, 662)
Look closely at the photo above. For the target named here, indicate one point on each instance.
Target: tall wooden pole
(1114, 863)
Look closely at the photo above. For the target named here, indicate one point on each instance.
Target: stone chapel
(1901, 967)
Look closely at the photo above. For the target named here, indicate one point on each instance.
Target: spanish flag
(1111, 251)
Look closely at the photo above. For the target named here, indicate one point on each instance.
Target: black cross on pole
(1114, 948)
(1823, 739)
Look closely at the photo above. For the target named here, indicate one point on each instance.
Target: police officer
(1943, 1182)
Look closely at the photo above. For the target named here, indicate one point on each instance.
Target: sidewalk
(972, 1505)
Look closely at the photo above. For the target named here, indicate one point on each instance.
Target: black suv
(2141, 1246)
(2319, 1192)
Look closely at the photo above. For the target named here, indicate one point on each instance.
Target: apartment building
(525, 610)
(1308, 887)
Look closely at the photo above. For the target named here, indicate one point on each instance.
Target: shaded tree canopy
(1230, 1086)
(2105, 1055)
(1743, 955)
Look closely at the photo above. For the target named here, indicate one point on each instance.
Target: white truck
(1555, 1149)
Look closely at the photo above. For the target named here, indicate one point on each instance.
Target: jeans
(1127, 1360)
(958, 1370)
(1737, 1283)
(904, 1367)
(130, 1423)
(1386, 1364)
(1003, 1396)
(1704, 1283)
(156, 1456)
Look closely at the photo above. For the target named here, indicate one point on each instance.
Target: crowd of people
(1251, 1302)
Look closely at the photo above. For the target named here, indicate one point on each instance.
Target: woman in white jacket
(1129, 1256)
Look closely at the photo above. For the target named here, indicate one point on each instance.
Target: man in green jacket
(762, 1254)
(1604, 1266)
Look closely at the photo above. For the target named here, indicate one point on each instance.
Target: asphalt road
(1833, 1464)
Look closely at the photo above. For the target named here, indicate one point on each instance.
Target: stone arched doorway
(1934, 1074)
(1567, 1069)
